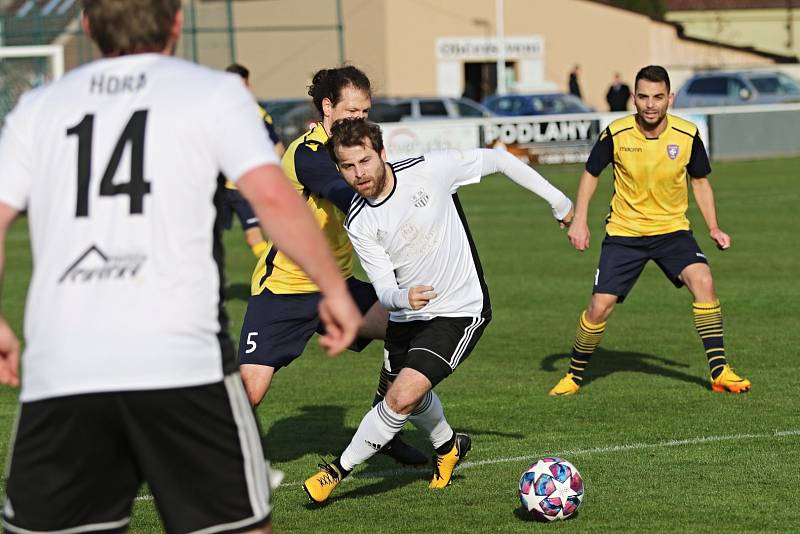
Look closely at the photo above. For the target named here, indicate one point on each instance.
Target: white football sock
(377, 428)
(429, 416)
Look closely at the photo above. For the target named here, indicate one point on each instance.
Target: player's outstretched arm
(704, 196)
(9, 344)
(501, 161)
(579, 228)
(291, 226)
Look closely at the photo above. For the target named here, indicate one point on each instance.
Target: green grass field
(658, 450)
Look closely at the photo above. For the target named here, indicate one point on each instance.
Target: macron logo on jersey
(95, 265)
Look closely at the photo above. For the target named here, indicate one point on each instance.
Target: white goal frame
(54, 52)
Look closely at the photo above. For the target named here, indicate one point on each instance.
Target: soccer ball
(550, 489)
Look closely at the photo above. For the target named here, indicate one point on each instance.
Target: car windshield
(468, 109)
(389, 111)
(555, 104)
(778, 84)
(279, 108)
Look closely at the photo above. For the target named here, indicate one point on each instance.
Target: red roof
(702, 5)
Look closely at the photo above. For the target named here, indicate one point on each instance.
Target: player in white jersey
(412, 238)
(130, 375)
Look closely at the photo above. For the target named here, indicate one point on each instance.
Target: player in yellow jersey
(234, 201)
(282, 310)
(653, 153)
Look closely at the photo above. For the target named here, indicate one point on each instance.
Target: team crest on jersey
(420, 198)
(672, 151)
(380, 235)
(94, 265)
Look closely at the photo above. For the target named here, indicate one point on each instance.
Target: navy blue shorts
(236, 203)
(277, 327)
(435, 347)
(622, 260)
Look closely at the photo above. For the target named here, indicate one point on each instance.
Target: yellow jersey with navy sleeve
(273, 135)
(314, 175)
(650, 175)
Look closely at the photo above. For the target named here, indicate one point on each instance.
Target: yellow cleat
(730, 381)
(565, 386)
(445, 464)
(320, 486)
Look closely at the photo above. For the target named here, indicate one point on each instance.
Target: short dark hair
(241, 70)
(353, 132)
(652, 73)
(121, 27)
(328, 83)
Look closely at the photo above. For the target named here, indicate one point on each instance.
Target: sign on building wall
(452, 53)
(486, 48)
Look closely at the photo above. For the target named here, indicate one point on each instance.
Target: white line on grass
(568, 452)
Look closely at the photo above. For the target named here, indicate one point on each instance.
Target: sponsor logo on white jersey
(94, 265)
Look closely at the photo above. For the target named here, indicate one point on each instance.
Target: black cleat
(403, 453)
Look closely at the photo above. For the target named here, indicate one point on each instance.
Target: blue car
(535, 104)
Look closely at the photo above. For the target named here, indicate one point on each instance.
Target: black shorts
(77, 462)
(236, 203)
(435, 347)
(622, 260)
(277, 327)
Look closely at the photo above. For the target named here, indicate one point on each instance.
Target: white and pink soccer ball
(550, 489)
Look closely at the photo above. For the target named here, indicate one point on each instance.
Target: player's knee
(402, 402)
(256, 379)
(703, 285)
(599, 310)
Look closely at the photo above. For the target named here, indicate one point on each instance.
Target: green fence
(208, 32)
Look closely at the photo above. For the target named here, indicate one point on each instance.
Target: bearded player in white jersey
(412, 238)
(130, 375)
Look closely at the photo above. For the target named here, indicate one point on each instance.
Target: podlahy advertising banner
(543, 141)
(535, 140)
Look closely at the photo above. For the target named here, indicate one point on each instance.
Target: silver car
(718, 88)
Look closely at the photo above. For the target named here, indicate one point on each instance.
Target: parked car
(425, 108)
(535, 104)
(716, 88)
(291, 116)
(295, 120)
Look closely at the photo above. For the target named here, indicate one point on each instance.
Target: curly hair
(354, 132)
(328, 83)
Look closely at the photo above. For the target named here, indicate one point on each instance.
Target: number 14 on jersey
(136, 188)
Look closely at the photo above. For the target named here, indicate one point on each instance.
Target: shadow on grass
(607, 362)
(237, 292)
(319, 431)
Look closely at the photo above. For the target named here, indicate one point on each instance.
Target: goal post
(25, 67)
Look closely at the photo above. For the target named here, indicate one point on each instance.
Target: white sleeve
(505, 163)
(379, 269)
(389, 294)
(457, 167)
(242, 142)
(16, 175)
